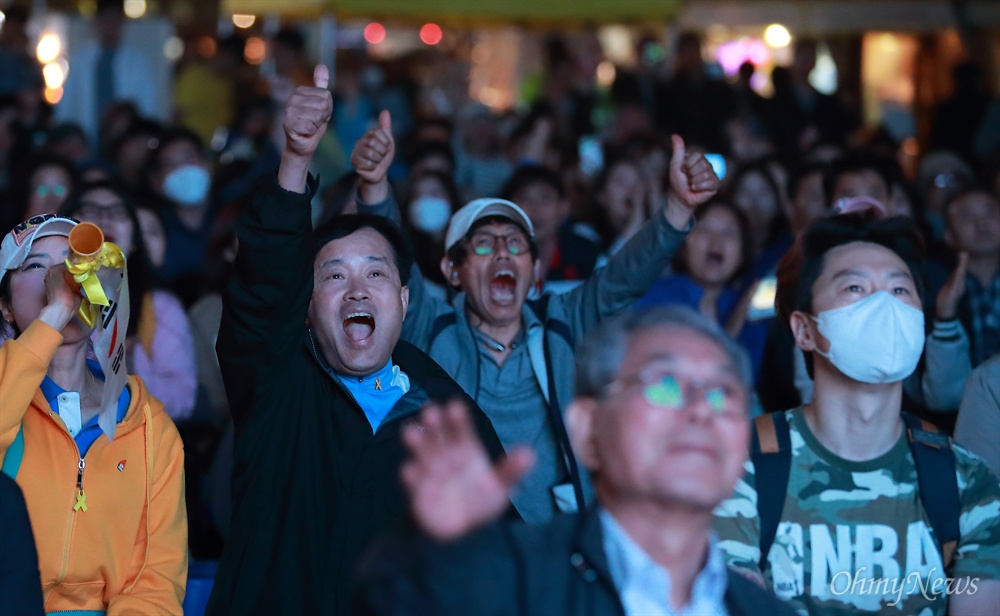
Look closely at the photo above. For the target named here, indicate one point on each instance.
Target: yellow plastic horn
(88, 253)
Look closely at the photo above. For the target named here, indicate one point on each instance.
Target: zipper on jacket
(81, 496)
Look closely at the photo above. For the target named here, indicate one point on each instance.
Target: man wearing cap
(513, 356)
(318, 385)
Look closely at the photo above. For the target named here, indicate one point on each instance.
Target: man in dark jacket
(318, 385)
(660, 421)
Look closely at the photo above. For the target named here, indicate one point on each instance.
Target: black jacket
(311, 483)
(516, 570)
(20, 581)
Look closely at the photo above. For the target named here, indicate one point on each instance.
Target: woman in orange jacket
(108, 515)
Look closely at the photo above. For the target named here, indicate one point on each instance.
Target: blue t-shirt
(377, 393)
(89, 432)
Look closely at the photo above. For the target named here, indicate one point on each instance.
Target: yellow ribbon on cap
(88, 253)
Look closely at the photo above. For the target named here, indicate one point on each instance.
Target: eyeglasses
(725, 398)
(102, 211)
(44, 190)
(485, 244)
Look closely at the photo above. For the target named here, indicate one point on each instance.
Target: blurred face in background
(974, 224)
(546, 209)
(623, 191)
(714, 248)
(107, 210)
(808, 203)
(49, 187)
(755, 195)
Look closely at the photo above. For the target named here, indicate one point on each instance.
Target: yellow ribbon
(81, 501)
(85, 273)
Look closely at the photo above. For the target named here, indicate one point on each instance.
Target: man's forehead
(669, 345)
(363, 244)
(862, 256)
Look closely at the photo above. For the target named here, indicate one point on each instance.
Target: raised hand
(371, 157)
(453, 487)
(692, 182)
(306, 115)
(953, 290)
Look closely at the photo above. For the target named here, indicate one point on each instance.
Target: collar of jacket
(535, 337)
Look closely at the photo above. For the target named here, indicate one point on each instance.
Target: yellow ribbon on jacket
(88, 254)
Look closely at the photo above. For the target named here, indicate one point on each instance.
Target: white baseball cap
(478, 209)
(17, 243)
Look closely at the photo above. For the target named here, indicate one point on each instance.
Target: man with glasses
(512, 355)
(660, 420)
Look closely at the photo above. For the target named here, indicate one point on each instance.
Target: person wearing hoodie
(107, 506)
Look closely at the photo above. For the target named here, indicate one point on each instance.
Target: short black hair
(428, 149)
(346, 224)
(525, 175)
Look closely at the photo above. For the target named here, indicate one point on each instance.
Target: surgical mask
(429, 214)
(878, 339)
(187, 185)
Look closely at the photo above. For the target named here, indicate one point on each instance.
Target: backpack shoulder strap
(936, 481)
(771, 453)
(557, 327)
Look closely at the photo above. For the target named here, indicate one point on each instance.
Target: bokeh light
(777, 35)
(374, 33)
(431, 34)
(48, 48)
(244, 21)
(134, 9)
(255, 50)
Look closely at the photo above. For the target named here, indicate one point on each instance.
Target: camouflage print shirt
(854, 537)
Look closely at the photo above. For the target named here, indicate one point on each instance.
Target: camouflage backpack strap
(771, 454)
(937, 482)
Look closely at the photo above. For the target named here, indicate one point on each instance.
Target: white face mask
(429, 214)
(187, 185)
(878, 339)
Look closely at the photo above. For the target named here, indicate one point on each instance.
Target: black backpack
(771, 453)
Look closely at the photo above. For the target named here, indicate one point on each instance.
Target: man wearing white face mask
(848, 505)
(179, 174)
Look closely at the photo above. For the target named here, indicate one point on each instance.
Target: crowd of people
(393, 352)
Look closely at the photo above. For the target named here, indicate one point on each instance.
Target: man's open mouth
(359, 325)
(503, 286)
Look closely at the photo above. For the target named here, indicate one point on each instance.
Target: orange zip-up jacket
(127, 552)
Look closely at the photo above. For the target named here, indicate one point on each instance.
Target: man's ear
(449, 271)
(404, 297)
(580, 426)
(804, 331)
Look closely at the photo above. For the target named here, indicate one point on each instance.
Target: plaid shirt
(984, 317)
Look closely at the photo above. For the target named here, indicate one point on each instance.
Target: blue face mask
(429, 214)
(187, 185)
